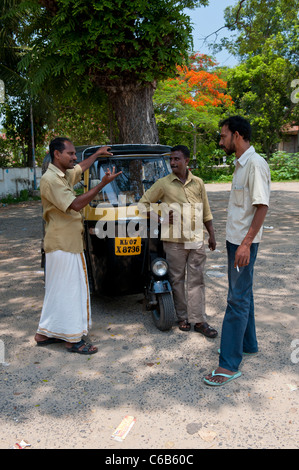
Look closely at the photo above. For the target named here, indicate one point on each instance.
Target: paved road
(54, 399)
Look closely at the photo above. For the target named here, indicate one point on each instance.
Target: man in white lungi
(66, 314)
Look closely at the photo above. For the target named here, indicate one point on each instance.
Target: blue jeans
(238, 329)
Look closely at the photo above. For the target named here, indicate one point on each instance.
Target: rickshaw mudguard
(159, 286)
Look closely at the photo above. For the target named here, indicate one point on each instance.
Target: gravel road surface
(56, 400)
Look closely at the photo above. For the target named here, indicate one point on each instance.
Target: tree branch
(229, 25)
(50, 5)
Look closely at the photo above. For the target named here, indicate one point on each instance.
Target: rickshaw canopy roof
(130, 149)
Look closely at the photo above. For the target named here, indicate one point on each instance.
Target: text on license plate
(127, 246)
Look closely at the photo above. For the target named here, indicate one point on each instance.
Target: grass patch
(24, 196)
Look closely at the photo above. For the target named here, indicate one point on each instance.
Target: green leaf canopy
(112, 42)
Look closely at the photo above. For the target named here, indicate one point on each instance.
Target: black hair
(57, 144)
(181, 148)
(239, 124)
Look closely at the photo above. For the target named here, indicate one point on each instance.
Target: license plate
(127, 246)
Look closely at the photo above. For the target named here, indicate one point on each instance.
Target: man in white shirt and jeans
(247, 209)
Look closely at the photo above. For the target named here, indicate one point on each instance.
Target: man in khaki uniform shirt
(247, 209)
(183, 195)
(66, 308)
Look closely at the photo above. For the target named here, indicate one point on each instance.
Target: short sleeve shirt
(63, 226)
(250, 186)
(188, 201)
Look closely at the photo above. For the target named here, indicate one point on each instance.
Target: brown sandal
(206, 330)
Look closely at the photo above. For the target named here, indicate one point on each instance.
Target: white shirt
(250, 186)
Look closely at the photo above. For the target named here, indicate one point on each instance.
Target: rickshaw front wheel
(164, 314)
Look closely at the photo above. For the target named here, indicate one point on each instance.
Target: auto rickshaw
(124, 252)
(123, 249)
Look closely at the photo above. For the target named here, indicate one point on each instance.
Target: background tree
(267, 45)
(262, 26)
(53, 106)
(122, 47)
(15, 83)
(81, 121)
(261, 89)
(20, 106)
(189, 106)
(17, 125)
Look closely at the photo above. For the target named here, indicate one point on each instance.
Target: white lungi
(66, 310)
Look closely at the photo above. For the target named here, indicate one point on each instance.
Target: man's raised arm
(85, 164)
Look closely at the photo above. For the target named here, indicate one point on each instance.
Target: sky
(205, 21)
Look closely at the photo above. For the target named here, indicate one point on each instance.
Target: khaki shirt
(250, 186)
(64, 227)
(189, 203)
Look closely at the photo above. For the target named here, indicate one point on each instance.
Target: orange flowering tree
(188, 107)
(201, 87)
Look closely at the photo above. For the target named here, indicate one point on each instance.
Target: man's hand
(87, 162)
(242, 256)
(83, 199)
(212, 239)
(103, 151)
(108, 177)
(212, 242)
(170, 217)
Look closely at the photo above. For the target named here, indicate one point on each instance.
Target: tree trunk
(29, 159)
(134, 112)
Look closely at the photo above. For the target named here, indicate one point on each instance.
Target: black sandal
(184, 325)
(85, 350)
(49, 341)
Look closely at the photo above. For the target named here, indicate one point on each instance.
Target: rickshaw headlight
(159, 267)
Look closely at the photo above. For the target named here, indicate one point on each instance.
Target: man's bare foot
(38, 338)
(184, 325)
(45, 340)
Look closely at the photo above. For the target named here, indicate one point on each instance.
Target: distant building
(290, 143)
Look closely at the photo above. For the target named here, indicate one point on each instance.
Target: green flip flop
(229, 378)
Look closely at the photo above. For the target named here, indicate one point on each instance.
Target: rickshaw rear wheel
(164, 314)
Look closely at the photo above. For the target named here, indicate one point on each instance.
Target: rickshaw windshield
(138, 175)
